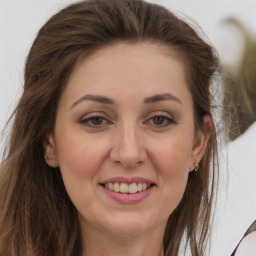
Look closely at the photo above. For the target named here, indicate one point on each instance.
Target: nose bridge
(128, 135)
(128, 149)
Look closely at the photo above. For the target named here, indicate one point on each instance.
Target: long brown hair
(37, 217)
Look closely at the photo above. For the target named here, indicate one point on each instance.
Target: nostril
(128, 156)
(128, 164)
(140, 162)
(118, 163)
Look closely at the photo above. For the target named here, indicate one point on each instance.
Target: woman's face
(124, 138)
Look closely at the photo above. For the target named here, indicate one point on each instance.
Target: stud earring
(196, 167)
(47, 158)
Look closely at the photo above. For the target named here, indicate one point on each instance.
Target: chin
(130, 223)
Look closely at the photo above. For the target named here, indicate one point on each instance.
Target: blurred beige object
(240, 85)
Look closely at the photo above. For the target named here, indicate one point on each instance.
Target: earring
(47, 158)
(196, 167)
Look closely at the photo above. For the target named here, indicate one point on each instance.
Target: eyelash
(167, 121)
(91, 118)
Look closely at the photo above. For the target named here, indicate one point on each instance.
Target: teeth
(116, 187)
(124, 188)
(110, 186)
(127, 188)
(133, 188)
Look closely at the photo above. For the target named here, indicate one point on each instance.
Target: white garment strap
(250, 230)
(247, 246)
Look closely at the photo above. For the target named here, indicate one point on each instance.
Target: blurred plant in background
(240, 86)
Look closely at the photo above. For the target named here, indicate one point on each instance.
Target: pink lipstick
(127, 190)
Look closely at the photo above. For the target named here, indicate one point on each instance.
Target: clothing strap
(251, 229)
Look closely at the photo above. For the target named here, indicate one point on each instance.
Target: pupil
(97, 120)
(158, 120)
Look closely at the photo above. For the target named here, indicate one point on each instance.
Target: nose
(128, 149)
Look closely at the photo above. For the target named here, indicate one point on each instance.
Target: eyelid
(86, 118)
(169, 118)
(94, 114)
(160, 113)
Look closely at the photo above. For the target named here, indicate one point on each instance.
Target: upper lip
(127, 180)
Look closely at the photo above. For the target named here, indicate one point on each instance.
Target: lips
(127, 190)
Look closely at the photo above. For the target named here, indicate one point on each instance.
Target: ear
(200, 142)
(50, 153)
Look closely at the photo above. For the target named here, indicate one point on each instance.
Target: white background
(21, 19)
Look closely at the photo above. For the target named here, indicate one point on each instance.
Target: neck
(98, 243)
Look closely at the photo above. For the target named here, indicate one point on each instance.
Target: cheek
(79, 162)
(79, 156)
(172, 163)
(173, 156)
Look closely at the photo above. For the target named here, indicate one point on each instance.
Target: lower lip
(128, 198)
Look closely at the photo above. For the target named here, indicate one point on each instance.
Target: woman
(112, 138)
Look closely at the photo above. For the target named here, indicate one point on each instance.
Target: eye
(160, 120)
(95, 121)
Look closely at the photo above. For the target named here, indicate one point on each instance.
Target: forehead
(125, 68)
(144, 52)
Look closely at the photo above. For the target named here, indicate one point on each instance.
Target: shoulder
(247, 245)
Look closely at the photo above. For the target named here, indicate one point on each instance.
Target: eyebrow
(97, 98)
(160, 97)
(106, 100)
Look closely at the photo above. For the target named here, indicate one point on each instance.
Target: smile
(126, 188)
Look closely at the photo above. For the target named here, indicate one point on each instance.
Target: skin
(127, 140)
